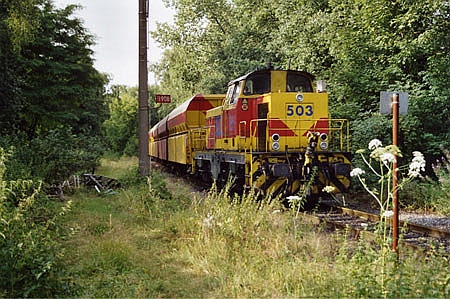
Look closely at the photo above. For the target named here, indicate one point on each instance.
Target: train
(271, 131)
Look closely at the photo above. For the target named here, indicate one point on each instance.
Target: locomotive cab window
(233, 93)
(298, 83)
(257, 84)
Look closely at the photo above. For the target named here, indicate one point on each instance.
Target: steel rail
(418, 228)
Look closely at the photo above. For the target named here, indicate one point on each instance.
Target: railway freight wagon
(272, 132)
(176, 137)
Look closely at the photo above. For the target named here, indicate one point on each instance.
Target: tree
(21, 19)
(360, 47)
(213, 42)
(121, 128)
(50, 93)
(18, 22)
(393, 45)
(60, 85)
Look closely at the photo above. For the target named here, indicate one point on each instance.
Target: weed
(431, 195)
(30, 229)
(217, 245)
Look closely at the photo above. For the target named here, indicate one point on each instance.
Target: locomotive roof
(310, 76)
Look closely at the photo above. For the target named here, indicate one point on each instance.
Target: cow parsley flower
(375, 143)
(356, 172)
(208, 222)
(328, 189)
(387, 158)
(388, 214)
(377, 153)
(293, 198)
(417, 165)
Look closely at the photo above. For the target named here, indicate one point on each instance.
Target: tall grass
(167, 240)
(255, 249)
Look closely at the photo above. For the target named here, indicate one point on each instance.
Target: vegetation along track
(418, 231)
(432, 233)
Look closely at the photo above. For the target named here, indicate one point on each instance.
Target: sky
(114, 24)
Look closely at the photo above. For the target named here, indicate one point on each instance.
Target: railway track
(362, 223)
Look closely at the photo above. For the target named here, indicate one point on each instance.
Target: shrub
(121, 127)
(431, 194)
(52, 157)
(60, 154)
(442, 171)
(29, 249)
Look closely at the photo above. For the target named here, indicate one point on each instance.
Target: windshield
(257, 84)
(298, 83)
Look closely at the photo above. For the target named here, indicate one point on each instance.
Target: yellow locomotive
(271, 131)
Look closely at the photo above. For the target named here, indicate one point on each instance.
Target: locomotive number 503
(299, 110)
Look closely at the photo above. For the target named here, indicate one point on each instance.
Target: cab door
(263, 110)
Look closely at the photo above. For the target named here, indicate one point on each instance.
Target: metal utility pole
(395, 112)
(144, 161)
(394, 103)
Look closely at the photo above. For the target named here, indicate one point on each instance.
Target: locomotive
(270, 131)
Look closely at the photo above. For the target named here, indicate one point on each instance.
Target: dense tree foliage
(52, 101)
(121, 128)
(51, 111)
(360, 47)
(60, 85)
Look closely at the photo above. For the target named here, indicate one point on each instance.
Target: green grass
(428, 196)
(163, 239)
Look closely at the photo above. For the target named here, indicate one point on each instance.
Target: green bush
(61, 154)
(121, 126)
(431, 194)
(157, 199)
(18, 164)
(52, 157)
(370, 126)
(30, 253)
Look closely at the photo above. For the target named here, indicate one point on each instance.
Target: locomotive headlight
(323, 141)
(299, 97)
(275, 146)
(276, 137)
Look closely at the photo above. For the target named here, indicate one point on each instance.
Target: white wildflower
(375, 143)
(387, 158)
(357, 172)
(417, 165)
(377, 153)
(388, 213)
(417, 154)
(208, 221)
(418, 158)
(293, 198)
(328, 189)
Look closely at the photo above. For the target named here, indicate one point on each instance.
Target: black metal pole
(144, 161)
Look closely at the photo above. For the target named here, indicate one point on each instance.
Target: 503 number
(299, 110)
